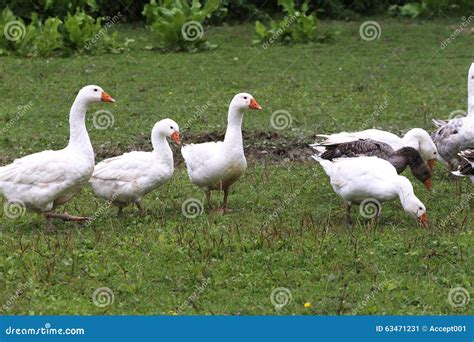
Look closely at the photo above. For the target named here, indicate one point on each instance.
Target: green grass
(155, 262)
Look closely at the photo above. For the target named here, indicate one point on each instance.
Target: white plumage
(217, 165)
(127, 178)
(45, 180)
(362, 178)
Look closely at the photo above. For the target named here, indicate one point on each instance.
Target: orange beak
(423, 220)
(428, 184)
(106, 97)
(254, 105)
(431, 164)
(175, 137)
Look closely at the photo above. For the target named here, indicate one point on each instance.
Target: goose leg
(140, 207)
(224, 209)
(348, 216)
(49, 225)
(120, 212)
(208, 197)
(66, 217)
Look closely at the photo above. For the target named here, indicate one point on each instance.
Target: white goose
(125, 179)
(457, 134)
(400, 159)
(369, 178)
(45, 180)
(217, 165)
(417, 138)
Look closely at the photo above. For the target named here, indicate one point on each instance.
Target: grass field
(287, 226)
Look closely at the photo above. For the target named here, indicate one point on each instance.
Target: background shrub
(233, 11)
(131, 9)
(177, 25)
(299, 26)
(428, 8)
(53, 36)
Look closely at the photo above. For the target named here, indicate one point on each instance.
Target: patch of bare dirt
(258, 145)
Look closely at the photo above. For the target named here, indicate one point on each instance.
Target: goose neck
(233, 133)
(470, 91)
(405, 190)
(78, 136)
(161, 148)
(406, 156)
(398, 161)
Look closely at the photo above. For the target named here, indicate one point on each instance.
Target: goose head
(93, 93)
(244, 101)
(168, 128)
(413, 206)
(422, 172)
(420, 140)
(417, 165)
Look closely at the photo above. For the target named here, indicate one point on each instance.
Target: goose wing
(356, 148)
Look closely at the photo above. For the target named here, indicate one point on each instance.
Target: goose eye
(171, 127)
(420, 208)
(245, 97)
(95, 89)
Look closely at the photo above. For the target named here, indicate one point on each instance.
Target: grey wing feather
(446, 139)
(466, 163)
(357, 148)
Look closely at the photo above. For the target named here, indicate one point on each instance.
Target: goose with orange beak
(368, 182)
(125, 179)
(218, 165)
(400, 159)
(416, 138)
(46, 180)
